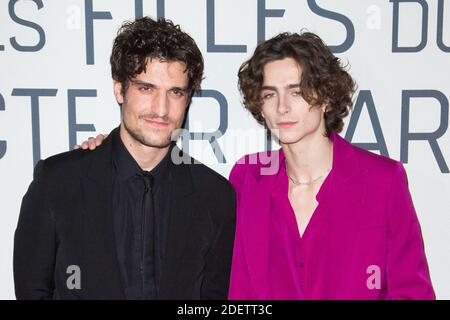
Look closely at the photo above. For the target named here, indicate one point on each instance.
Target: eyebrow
(151, 85)
(273, 88)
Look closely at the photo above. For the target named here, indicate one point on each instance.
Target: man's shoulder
(78, 159)
(65, 158)
(258, 163)
(69, 162)
(207, 177)
(376, 164)
(200, 173)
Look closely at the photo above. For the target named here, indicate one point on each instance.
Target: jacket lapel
(344, 210)
(255, 222)
(181, 213)
(100, 255)
(348, 184)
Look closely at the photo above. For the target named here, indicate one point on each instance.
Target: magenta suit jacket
(370, 221)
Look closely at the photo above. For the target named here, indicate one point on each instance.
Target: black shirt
(140, 215)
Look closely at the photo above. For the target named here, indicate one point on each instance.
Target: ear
(117, 86)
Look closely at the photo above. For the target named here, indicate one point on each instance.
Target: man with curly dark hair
(327, 220)
(323, 82)
(134, 219)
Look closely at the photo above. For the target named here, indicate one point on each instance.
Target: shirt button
(302, 287)
(300, 264)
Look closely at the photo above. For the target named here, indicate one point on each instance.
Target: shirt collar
(126, 166)
(281, 184)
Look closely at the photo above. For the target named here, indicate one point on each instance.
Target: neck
(308, 158)
(146, 157)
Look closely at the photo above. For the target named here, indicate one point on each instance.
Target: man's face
(155, 102)
(285, 111)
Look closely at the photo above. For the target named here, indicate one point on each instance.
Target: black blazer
(66, 220)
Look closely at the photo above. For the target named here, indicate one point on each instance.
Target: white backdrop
(55, 89)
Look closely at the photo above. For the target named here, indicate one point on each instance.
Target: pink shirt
(362, 242)
(293, 259)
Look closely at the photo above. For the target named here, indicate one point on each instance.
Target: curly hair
(324, 80)
(145, 38)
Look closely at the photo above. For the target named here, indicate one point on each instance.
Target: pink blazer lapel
(347, 188)
(255, 224)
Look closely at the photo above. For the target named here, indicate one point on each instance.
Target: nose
(160, 104)
(282, 106)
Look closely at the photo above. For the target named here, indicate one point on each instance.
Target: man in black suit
(136, 218)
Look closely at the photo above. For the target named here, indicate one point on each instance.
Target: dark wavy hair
(324, 80)
(145, 38)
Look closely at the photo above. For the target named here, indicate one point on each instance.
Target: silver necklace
(300, 183)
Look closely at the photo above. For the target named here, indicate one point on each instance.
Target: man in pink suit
(322, 219)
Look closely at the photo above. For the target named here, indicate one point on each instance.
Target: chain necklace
(300, 183)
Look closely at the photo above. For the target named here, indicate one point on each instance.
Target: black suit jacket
(66, 220)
